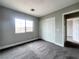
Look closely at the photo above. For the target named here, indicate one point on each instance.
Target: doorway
(71, 23)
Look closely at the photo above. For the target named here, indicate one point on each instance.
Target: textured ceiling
(42, 7)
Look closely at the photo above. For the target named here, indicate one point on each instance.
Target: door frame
(64, 26)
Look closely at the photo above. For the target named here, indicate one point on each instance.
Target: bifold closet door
(48, 29)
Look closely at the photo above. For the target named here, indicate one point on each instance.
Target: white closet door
(76, 29)
(48, 29)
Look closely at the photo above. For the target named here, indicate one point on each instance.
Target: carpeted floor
(39, 50)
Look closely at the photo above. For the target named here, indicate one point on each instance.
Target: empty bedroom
(39, 29)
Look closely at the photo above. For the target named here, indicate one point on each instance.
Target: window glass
(29, 26)
(19, 26)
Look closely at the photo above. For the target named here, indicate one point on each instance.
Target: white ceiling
(42, 7)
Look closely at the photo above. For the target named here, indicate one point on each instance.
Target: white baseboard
(62, 45)
(7, 46)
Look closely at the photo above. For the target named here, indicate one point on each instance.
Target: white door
(76, 29)
(48, 29)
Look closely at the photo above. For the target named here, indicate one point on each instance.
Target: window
(22, 26)
(19, 26)
(29, 26)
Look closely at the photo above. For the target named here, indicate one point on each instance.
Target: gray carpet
(39, 50)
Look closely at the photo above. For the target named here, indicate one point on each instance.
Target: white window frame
(28, 25)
